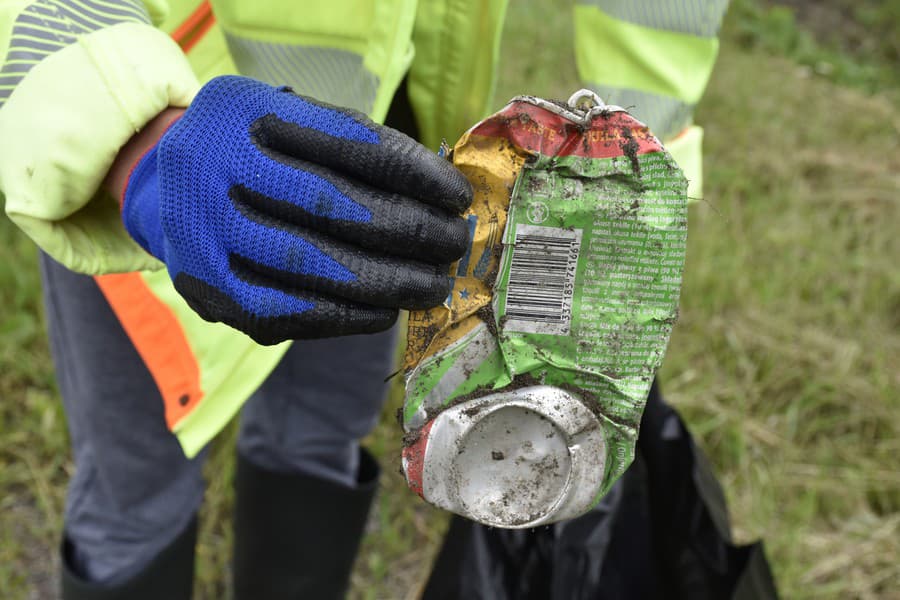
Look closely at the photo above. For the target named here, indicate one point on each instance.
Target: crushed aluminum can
(524, 390)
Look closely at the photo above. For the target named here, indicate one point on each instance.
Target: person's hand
(289, 218)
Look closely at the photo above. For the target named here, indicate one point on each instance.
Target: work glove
(288, 218)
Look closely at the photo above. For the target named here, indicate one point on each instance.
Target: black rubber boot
(170, 575)
(296, 536)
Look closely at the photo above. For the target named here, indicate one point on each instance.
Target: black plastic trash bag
(662, 532)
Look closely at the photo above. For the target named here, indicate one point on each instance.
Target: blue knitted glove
(288, 218)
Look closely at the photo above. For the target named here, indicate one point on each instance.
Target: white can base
(513, 459)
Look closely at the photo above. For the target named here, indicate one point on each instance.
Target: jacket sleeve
(78, 79)
(655, 58)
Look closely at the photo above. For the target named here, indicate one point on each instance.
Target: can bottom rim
(513, 459)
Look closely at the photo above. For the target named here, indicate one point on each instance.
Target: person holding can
(194, 222)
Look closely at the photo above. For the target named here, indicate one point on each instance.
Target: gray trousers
(133, 490)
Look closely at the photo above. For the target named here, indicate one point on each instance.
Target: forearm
(137, 146)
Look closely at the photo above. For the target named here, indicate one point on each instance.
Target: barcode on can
(542, 280)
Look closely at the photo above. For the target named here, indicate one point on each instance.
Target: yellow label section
(491, 165)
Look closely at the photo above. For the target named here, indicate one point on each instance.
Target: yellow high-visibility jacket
(80, 77)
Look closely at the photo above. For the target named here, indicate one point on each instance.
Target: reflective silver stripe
(698, 17)
(664, 115)
(46, 26)
(327, 74)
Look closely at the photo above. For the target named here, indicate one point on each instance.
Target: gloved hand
(288, 218)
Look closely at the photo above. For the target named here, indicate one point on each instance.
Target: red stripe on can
(414, 460)
(537, 129)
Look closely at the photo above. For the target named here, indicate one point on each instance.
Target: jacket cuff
(62, 128)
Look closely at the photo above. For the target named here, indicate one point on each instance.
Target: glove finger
(314, 197)
(349, 142)
(270, 315)
(303, 259)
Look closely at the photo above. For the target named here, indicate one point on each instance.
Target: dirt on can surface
(524, 390)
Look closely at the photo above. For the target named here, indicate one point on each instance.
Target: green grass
(785, 363)
(845, 41)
